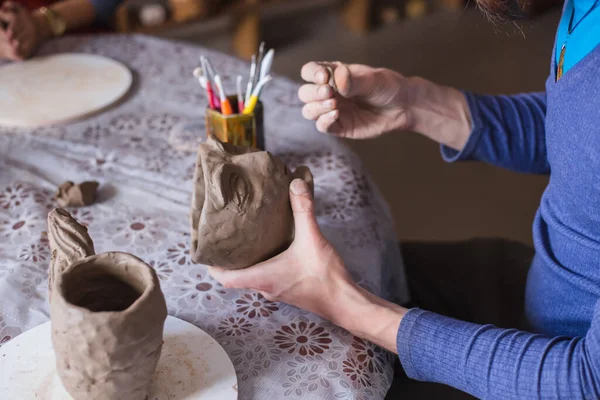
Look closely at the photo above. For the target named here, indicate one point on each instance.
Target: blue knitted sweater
(556, 133)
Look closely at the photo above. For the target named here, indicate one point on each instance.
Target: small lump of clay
(72, 195)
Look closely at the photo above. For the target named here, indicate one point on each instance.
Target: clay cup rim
(147, 278)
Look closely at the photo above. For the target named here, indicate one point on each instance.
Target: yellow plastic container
(239, 129)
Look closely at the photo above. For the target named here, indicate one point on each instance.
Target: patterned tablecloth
(278, 351)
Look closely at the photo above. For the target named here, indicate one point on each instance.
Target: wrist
(438, 112)
(367, 316)
(392, 93)
(42, 26)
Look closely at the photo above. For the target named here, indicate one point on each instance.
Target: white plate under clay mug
(192, 366)
(59, 88)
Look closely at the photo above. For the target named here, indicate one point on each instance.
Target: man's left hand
(309, 274)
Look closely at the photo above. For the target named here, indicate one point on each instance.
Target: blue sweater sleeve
(494, 363)
(105, 9)
(508, 131)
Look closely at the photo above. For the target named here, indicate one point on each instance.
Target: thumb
(302, 208)
(356, 80)
(259, 277)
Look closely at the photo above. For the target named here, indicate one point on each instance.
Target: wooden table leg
(246, 30)
(358, 15)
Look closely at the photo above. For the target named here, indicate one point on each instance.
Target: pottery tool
(259, 59)
(198, 72)
(250, 105)
(250, 79)
(267, 62)
(225, 105)
(203, 82)
(240, 98)
(201, 78)
(209, 89)
(210, 75)
(332, 79)
(28, 366)
(60, 88)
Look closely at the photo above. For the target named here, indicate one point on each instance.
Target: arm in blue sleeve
(508, 131)
(494, 363)
(105, 10)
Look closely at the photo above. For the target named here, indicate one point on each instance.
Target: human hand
(372, 101)
(369, 101)
(21, 32)
(309, 274)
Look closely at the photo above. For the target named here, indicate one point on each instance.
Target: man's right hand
(361, 102)
(368, 102)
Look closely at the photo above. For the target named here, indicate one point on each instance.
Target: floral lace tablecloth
(278, 351)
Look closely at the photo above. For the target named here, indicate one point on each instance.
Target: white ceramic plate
(192, 366)
(59, 88)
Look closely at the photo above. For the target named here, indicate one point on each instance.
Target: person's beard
(506, 10)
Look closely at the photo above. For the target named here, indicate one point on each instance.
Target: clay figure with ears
(107, 314)
(240, 211)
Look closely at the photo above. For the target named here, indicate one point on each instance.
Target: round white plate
(59, 88)
(192, 366)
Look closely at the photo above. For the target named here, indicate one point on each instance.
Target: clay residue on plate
(69, 242)
(240, 213)
(72, 195)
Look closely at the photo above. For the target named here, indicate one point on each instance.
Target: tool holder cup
(239, 129)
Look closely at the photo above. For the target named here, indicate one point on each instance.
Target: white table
(278, 351)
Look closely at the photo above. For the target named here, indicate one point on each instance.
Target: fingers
(9, 17)
(315, 72)
(309, 93)
(22, 50)
(343, 80)
(8, 48)
(319, 100)
(314, 110)
(9, 20)
(10, 6)
(327, 121)
(303, 209)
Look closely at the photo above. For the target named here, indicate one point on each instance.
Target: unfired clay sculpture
(107, 314)
(69, 242)
(71, 195)
(241, 211)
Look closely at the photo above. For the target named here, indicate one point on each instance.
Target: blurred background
(447, 41)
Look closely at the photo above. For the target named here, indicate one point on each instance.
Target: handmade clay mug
(240, 212)
(107, 314)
